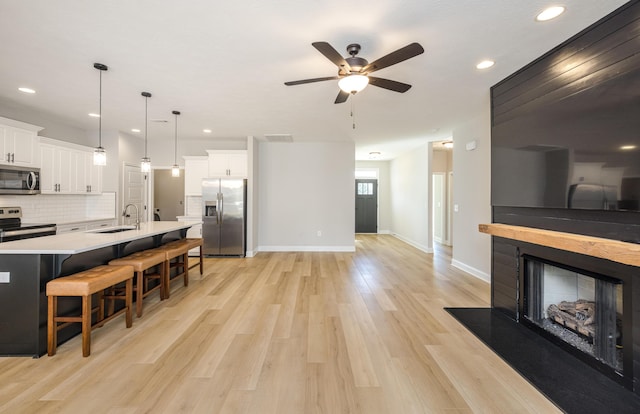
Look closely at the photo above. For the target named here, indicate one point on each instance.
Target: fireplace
(581, 292)
(577, 308)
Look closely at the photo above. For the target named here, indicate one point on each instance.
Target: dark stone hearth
(554, 372)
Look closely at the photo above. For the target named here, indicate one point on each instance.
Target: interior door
(366, 206)
(439, 203)
(134, 190)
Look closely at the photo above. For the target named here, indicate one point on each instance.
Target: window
(365, 188)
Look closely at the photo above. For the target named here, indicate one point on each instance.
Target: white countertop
(73, 243)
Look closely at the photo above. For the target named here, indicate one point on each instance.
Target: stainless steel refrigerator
(224, 216)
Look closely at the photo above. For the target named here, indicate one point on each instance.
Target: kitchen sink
(117, 229)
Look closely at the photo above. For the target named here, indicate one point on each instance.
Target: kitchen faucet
(124, 214)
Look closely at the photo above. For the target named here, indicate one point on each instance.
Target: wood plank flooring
(306, 332)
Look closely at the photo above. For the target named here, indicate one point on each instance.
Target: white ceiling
(223, 63)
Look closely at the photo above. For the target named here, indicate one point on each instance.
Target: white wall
(53, 128)
(410, 198)
(472, 195)
(384, 192)
(306, 188)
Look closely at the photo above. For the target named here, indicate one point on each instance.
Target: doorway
(168, 195)
(366, 206)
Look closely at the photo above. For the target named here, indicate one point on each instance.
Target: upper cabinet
(18, 143)
(68, 169)
(195, 169)
(227, 163)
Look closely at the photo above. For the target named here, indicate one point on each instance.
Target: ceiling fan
(353, 71)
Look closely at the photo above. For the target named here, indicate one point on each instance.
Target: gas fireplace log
(567, 318)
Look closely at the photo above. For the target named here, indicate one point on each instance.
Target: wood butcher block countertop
(614, 250)
(74, 243)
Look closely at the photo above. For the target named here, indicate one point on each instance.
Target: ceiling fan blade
(330, 53)
(303, 81)
(402, 54)
(389, 84)
(342, 97)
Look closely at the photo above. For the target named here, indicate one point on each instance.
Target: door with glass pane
(366, 206)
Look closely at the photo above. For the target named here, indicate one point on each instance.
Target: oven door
(27, 233)
(19, 180)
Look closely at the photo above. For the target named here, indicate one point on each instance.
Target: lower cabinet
(84, 226)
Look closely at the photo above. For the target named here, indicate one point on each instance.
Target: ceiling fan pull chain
(353, 111)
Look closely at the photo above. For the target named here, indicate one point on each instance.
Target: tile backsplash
(58, 209)
(194, 206)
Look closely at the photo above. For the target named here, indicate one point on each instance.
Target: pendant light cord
(100, 113)
(146, 124)
(175, 149)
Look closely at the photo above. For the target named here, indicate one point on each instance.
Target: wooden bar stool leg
(185, 267)
(129, 302)
(201, 264)
(139, 292)
(86, 326)
(52, 328)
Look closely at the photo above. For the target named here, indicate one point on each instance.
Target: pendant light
(175, 170)
(145, 163)
(99, 154)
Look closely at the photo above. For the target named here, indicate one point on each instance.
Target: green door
(366, 206)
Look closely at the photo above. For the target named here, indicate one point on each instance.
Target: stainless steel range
(11, 227)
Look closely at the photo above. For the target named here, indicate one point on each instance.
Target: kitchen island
(27, 265)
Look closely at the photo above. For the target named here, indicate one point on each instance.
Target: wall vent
(279, 137)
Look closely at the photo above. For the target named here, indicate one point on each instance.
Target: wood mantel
(614, 250)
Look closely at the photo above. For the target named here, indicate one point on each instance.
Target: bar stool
(142, 262)
(192, 243)
(85, 284)
(176, 250)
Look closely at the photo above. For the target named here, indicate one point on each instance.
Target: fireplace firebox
(582, 309)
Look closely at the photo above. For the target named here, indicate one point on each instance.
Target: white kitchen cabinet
(93, 225)
(82, 226)
(195, 169)
(56, 172)
(71, 228)
(228, 163)
(18, 143)
(68, 169)
(88, 176)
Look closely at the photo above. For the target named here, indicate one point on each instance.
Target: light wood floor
(361, 332)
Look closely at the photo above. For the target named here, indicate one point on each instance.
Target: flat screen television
(566, 128)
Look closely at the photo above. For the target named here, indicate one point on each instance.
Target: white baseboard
(472, 271)
(414, 244)
(306, 249)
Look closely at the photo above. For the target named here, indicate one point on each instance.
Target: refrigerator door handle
(221, 206)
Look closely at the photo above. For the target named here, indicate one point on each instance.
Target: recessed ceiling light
(550, 13)
(627, 147)
(447, 144)
(26, 90)
(135, 130)
(206, 131)
(485, 64)
(94, 115)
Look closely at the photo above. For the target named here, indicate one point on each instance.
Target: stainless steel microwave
(19, 180)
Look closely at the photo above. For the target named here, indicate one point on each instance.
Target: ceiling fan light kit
(353, 83)
(353, 71)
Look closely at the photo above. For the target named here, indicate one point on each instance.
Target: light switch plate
(5, 277)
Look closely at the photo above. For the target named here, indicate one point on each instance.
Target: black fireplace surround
(557, 128)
